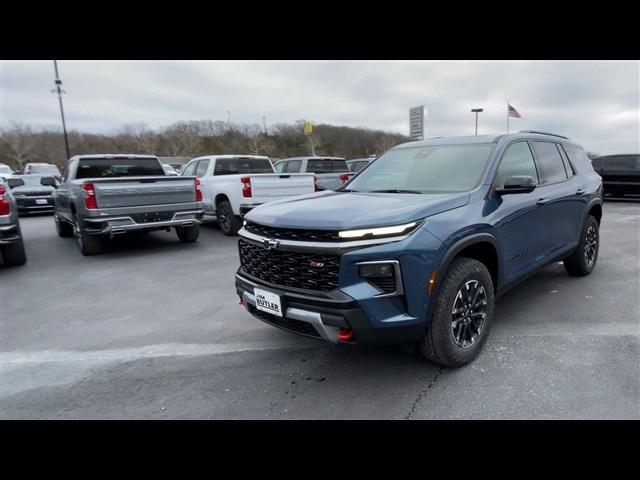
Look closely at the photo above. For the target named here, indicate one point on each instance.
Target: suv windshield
(119, 167)
(431, 169)
(44, 169)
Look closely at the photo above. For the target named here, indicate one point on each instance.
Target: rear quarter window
(579, 159)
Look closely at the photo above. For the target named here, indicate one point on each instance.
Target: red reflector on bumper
(345, 334)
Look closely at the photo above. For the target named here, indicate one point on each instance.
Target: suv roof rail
(543, 133)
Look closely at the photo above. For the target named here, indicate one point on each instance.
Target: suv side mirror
(517, 184)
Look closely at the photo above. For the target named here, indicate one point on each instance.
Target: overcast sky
(595, 103)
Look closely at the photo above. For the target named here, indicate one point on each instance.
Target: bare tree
(144, 139)
(18, 144)
(258, 142)
(385, 143)
(315, 144)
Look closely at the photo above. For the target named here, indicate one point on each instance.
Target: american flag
(513, 112)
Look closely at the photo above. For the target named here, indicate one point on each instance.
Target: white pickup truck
(234, 184)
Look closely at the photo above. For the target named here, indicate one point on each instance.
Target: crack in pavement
(422, 394)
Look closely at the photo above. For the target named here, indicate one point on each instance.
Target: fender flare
(452, 252)
(592, 203)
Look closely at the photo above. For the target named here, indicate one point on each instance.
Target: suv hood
(340, 211)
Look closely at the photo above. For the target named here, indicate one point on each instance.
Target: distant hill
(21, 144)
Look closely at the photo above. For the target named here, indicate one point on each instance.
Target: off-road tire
(13, 254)
(578, 264)
(88, 244)
(439, 344)
(64, 229)
(188, 234)
(227, 221)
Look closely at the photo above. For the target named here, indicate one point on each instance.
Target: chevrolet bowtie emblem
(271, 244)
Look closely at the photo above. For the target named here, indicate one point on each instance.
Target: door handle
(542, 201)
(580, 191)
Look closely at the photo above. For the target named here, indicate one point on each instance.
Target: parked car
(106, 195)
(417, 247)
(620, 173)
(33, 193)
(5, 172)
(41, 169)
(168, 169)
(11, 243)
(357, 164)
(331, 172)
(232, 185)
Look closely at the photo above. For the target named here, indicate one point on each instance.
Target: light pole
(476, 111)
(59, 91)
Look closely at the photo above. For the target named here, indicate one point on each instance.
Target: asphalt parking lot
(152, 329)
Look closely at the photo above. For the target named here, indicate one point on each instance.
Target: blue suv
(418, 245)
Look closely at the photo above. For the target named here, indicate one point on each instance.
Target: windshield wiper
(347, 190)
(395, 190)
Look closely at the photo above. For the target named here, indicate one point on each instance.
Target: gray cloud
(596, 103)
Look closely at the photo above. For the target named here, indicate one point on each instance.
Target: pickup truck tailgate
(143, 191)
(330, 181)
(272, 186)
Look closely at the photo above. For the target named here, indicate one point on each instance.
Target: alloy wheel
(468, 313)
(591, 245)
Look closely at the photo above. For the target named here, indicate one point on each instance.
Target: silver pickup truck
(105, 195)
(331, 172)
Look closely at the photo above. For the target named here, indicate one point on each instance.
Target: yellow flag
(307, 128)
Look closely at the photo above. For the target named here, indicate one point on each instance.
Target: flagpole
(507, 116)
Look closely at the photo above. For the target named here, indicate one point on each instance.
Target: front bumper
(322, 317)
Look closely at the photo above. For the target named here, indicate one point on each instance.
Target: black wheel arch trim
(452, 252)
(592, 203)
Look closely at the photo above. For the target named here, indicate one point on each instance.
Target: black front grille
(293, 233)
(291, 324)
(31, 202)
(152, 217)
(310, 271)
(37, 194)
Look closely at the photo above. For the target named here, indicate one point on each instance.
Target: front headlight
(380, 231)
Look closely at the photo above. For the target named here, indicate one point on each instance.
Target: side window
(567, 164)
(579, 159)
(517, 160)
(189, 170)
(279, 167)
(201, 170)
(293, 166)
(550, 162)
